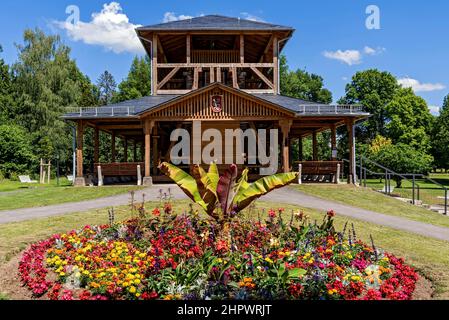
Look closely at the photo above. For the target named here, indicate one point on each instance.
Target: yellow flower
(137, 294)
(132, 289)
(268, 260)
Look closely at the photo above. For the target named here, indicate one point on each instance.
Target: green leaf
(262, 187)
(296, 273)
(185, 181)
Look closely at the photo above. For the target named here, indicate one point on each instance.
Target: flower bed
(166, 256)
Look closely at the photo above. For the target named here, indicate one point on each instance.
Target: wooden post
(275, 65)
(212, 75)
(79, 181)
(242, 48)
(155, 151)
(333, 142)
(96, 145)
(154, 78)
(125, 149)
(113, 146)
(315, 146)
(134, 150)
(49, 171)
(285, 128)
(147, 180)
(188, 48)
(351, 174)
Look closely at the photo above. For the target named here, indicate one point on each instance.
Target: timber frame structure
(218, 71)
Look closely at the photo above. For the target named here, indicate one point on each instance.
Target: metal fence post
(413, 188)
(386, 182)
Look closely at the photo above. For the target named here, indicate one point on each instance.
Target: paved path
(151, 194)
(291, 196)
(285, 195)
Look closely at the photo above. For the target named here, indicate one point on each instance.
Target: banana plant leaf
(225, 188)
(185, 181)
(261, 187)
(206, 189)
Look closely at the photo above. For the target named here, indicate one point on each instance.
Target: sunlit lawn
(429, 256)
(29, 196)
(368, 199)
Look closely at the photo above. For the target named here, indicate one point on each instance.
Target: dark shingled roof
(215, 22)
(290, 103)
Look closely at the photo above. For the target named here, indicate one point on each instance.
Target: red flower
(156, 212)
(331, 213)
(272, 213)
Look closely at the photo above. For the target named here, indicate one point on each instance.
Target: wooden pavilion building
(224, 73)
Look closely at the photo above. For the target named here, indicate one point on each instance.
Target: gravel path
(284, 195)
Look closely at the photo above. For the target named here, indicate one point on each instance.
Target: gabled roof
(215, 22)
(135, 108)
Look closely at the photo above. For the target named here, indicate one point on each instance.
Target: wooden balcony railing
(215, 56)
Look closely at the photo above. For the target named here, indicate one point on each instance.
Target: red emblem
(216, 103)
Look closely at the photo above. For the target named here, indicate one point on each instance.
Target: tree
(303, 85)
(16, 155)
(138, 82)
(6, 98)
(440, 137)
(409, 120)
(374, 90)
(403, 158)
(106, 87)
(47, 82)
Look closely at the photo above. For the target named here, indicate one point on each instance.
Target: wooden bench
(119, 169)
(320, 171)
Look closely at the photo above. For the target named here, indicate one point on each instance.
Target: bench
(319, 171)
(26, 179)
(119, 169)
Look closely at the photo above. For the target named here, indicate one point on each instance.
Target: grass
(9, 185)
(429, 256)
(44, 195)
(368, 199)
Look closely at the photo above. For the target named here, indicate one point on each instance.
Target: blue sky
(331, 38)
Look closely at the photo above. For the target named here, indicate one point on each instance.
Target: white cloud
(372, 52)
(171, 16)
(420, 87)
(435, 110)
(249, 16)
(109, 28)
(350, 57)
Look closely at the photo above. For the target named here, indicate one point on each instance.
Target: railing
(215, 56)
(330, 109)
(420, 189)
(100, 111)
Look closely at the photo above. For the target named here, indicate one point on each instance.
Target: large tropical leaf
(206, 188)
(185, 181)
(262, 186)
(225, 188)
(242, 183)
(213, 175)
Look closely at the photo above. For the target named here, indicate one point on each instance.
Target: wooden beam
(333, 141)
(154, 78)
(195, 78)
(168, 77)
(285, 126)
(96, 145)
(188, 50)
(219, 74)
(212, 75)
(315, 145)
(208, 65)
(120, 127)
(261, 76)
(242, 48)
(113, 147)
(79, 149)
(148, 127)
(155, 150)
(275, 65)
(234, 78)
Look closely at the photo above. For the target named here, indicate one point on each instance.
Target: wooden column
(285, 129)
(188, 48)
(134, 150)
(148, 128)
(333, 142)
(315, 146)
(351, 146)
(79, 149)
(155, 151)
(125, 149)
(113, 147)
(275, 65)
(242, 48)
(96, 145)
(154, 78)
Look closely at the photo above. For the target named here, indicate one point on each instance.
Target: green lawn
(8, 185)
(429, 256)
(44, 195)
(368, 199)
